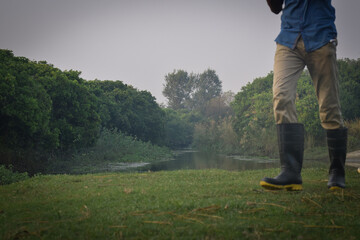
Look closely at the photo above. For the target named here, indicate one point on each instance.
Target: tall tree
(177, 89)
(25, 106)
(207, 87)
(129, 110)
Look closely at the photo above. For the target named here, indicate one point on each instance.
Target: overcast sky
(140, 41)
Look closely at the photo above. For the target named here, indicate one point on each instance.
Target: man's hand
(275, 5)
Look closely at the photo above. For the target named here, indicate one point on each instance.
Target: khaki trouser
(322, 66)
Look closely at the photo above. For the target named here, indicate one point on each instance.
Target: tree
(128, 110)
(254, 118)
(178, 88)
(207, 87)
(191, 91)
(42, 110)
(179, 129)
(25, 106)
(219, 107)
(243, 105)
(74, 113)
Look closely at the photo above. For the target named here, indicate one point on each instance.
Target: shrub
(7, 175)
(112, 146)
(353, 134)
(216, 136)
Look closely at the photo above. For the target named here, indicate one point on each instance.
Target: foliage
(245, 99)
(191, 91)
(44, 108)
(207, 86)
(254, 117)
(7, 175)
(25, 107)
(308, 108)
(353, 134)
(349, 71)
(132, 112)
(219, 107)
(179, 128)
(254, 114)
(216, 136)
(112, 147)
(178, 88)
(44, 111)
(74, 113)
(206, 136)
(253, 111)
(187, 204)
(194, 95)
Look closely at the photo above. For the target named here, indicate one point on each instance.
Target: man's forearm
(275, 5)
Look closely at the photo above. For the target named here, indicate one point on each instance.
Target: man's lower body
(322, 66)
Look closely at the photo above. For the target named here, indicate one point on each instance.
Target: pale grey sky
(140, 41)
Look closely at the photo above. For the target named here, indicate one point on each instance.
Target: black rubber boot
(336, 141)
(291, 149)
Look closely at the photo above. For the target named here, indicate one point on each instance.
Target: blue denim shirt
(313, 20)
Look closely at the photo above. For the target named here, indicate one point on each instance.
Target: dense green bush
(45, 112)
(133, 112)
(7, 175)
(43, 108)
(353, 134)
(179, 128)
(111, 147)
(216, 136)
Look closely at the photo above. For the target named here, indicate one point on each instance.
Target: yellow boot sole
(335, 188)
(289, 187)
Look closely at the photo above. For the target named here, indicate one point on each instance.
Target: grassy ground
(191, 204)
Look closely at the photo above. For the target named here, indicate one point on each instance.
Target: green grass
(191, 204)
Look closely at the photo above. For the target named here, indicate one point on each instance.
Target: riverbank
(187, 204)
(114, 151)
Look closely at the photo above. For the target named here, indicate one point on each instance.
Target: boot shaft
(291, 149)
(291, 145)
(337, 139)
(337, 146)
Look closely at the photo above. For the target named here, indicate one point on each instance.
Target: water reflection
(201, 160)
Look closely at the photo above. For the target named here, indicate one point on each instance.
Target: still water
(201, 160)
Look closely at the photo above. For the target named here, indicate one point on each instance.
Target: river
(187, 159)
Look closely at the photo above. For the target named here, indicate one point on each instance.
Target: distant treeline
(248, 127)
(44, 111)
